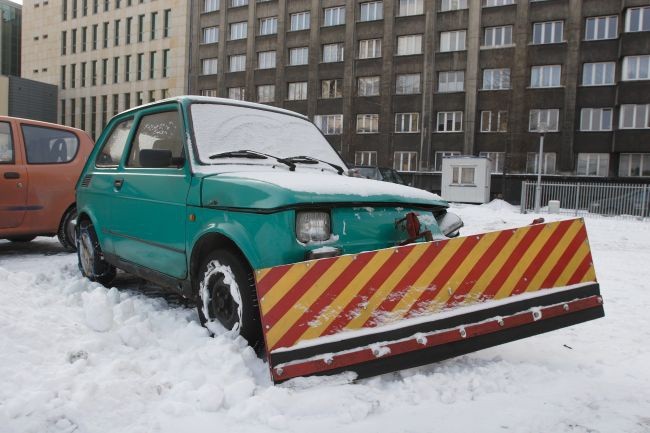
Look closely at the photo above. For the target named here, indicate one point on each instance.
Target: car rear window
(45, 145)
(6, 144)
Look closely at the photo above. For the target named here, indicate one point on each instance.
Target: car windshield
(369, 172)
(391, 176)
(221, 128)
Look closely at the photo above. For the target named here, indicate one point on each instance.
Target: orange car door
(13, 180)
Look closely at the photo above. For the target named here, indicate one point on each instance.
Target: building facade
(29, 99)
(106, 55)
(404, 83)
(10, 30)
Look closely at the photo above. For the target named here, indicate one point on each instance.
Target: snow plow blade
(396, 308)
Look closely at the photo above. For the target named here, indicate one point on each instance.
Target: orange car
(39, 166)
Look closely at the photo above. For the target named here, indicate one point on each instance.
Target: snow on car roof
(212, 100)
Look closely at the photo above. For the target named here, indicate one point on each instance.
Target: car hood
(271, 189)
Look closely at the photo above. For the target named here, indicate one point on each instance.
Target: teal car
(195, 194)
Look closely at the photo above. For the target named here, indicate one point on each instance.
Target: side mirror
(449, 224)
(159, 158)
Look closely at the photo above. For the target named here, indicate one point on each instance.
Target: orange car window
(45, 145)
(6, 144)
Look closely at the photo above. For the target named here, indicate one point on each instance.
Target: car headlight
(312, 226)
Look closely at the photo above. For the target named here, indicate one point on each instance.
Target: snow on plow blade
(396, 308)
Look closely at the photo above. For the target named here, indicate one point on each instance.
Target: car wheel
(91, 260)
(226, 294)
(22, 239)
(67, 230)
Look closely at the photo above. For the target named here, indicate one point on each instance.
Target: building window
(127, 32)
(73, 44)
(153, 25)
(545, 76)
(367, 123)
(496, 121)
(546, 120)
(333, 53)
(463, 175)
(329, 124)
(492, 3)
(83, 74)
(297, 91)
(237, 3)
(84, 35)
(298, 56)
(410, 7)
(407, 45)
(64, 42)
(599, 28)
(165, 68)
(550, 32)
(596, 119)
(62, 80)
(237, 63)
(548, 163)
(334, 16)
(452, 5)
(331, 88)
(496, 79)
(637, 19)
(73, 76)
(127, 69)
(210, 35)
(451, 81)
(238, 30)
(268, 26)
(266, 59)
(634, 165)
(498, 36)
(299, 21)
(365, 157)
(238, 93)
(368, 86)
(140, 28)
(209, 66)
(116, 68)
(167, 23)
(452, 41)
(440, 155)
(371, 11)
(636, 67)
(450, 121)
(592, 164)
(599, 74)
(405, 161)
(407, 122)
(139, 66)
(634, 116)
(369, 48)
(152, 65)
(104, 71)
(209, 92)
(210, 5)
(407, 84)
(266, 93)
(496, 161)
(94, 36)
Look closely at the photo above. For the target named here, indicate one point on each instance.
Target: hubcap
(71, 232)
(86, 254)
(222, 306)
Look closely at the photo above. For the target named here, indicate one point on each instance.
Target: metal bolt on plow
(537, 315)
(566, 307)
(500, 321)
(463, 333)
(279, 371)
(421, 339)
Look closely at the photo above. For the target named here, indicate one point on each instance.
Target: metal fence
(580, 199)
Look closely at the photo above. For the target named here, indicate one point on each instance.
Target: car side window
(160, 131)
(6, 144)
(45, 145)
(113, 148)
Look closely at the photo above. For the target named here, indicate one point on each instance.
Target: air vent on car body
(86, 180)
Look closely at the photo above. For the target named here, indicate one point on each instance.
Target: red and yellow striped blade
(308, 300)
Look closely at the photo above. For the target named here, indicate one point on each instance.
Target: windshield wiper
(251, 154)
(303, 159)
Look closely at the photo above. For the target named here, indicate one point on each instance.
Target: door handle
(12, 175)
(117, 183)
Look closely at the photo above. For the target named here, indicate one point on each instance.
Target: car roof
(41, 123)
(212, 100)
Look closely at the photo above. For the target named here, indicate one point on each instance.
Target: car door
(13, 180)
(148, 210)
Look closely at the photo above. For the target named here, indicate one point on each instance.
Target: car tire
(234, 306)
(91, 260)
(67, 231)
(21, 239)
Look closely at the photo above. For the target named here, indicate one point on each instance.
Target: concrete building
(404, 83)
(10, 24)
(106, 56)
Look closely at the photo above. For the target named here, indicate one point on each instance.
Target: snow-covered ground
(75, 357)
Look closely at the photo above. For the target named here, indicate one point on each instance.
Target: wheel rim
(222, 306)
(86, 254)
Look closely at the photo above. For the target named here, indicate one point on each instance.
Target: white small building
(466, 179)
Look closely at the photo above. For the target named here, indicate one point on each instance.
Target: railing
(580, 199)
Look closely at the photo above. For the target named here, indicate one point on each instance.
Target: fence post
(577, 199)
(523, 197)
(644, 208)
